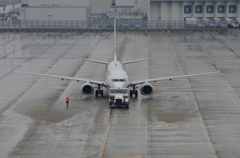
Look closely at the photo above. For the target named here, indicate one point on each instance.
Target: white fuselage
(116, 75)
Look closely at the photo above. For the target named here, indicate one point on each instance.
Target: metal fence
(106, 24)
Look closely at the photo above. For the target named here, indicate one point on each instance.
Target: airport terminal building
(55, 10)
(154, 9)
(172, 9)
(180, 10)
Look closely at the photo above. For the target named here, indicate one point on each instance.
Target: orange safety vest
(67, 99)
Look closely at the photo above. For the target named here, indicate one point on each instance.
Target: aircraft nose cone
(119, 85)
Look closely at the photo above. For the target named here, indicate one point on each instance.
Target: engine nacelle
(146, 89)
(87, 89)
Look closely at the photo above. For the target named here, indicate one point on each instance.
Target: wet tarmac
(184, 118)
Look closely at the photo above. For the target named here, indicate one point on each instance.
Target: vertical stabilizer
(115, 42)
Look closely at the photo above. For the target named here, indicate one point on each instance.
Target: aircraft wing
(169, 78)
(134, 61)
(96, 61)
(63, 77)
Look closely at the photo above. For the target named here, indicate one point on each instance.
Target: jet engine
(87, 89)
(146, 89)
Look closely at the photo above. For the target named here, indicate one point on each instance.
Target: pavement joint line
(191, 108)
(37, 126)
(165, 125)
(200, 148)
(63, 107)
(194, 84)
(184, 108)
(178, 116)
(168, 125)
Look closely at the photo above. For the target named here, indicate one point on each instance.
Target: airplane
(116, 76)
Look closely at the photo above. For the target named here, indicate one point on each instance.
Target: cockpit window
(118, 80)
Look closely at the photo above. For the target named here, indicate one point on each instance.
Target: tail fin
(115, 42)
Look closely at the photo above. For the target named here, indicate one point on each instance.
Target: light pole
(3, 5)
(13, 5)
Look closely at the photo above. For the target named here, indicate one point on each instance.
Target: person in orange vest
(67, 101)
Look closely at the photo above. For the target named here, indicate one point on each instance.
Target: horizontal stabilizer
(96, 61)
(64, 77)
(134, 61)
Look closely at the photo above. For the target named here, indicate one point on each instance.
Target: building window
(210, 9)
(187, 9)
(55, 5)
(113, 3)
(25, 5)
(221, 9)
(45, 5)
(232, 9)
(198, 9)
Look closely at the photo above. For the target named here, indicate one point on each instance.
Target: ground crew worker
(67, 101)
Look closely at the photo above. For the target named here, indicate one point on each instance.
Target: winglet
(218, 68)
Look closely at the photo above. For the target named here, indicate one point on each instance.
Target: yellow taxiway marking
(131, 111)
(205, 126)
(154, 125)
(128, 157)
(66, 125)
(106, 135)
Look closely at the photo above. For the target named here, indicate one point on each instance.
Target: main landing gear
(134, 91)
(99, 91)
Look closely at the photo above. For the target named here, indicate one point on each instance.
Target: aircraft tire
(136, 94)
(131, 93)
(96, 93)
(101, 93)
